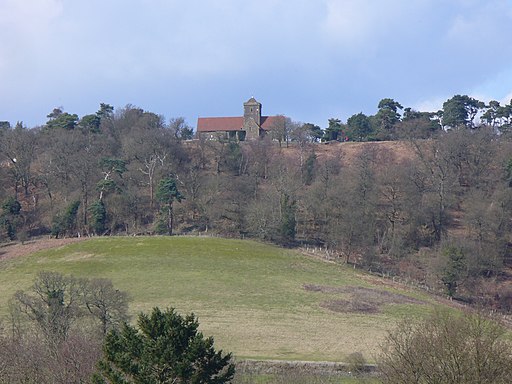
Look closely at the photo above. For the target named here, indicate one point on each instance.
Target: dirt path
(11, 250)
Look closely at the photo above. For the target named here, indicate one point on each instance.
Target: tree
(17, 148)
(98, 214)
(57, 329)
(66, 223)
(352, 219)
(313, 131)
(27, 359)
(334, 130)
(417, 125)
(63, 120)
(110, 167)
(56, 302)
(454, 269)
(387, 117)
(447, 348)
(180, 129)
(167, 193)
(281, 129)
(166, 348)
(10, 217)
(90, 123)
(105, 303)
(106, 111)
(53, 304)
(461, 110)
(359, 127)
(288, 221)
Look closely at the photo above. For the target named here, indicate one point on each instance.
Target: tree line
(438, 215)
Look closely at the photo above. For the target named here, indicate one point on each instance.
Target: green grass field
(258, 301)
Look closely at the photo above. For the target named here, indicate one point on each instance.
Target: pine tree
(166, 348)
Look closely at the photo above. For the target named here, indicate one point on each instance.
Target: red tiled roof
(213, 124)
(269, 122)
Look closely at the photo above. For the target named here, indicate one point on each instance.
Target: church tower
(252, 118)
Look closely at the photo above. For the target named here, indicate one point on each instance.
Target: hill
(257, 300)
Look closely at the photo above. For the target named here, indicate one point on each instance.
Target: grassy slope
(248, 295)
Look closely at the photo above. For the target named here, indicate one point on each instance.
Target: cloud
(316, 57)
(25, 27)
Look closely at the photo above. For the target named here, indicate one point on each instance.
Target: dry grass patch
(360, 299)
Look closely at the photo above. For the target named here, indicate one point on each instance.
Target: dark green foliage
(315, 132)
(454, 270)
(111, 166)
(166, 348)
(288, 220)
(356, 362)
(233, 157)
(359, 127)
(386, 118)
(10, 217)
(11, 206)
(90, 123)
(167, 192)
(333, 131)
(161, 225)
(98, 217)
(8, 228)
(460, 111)
(57, 227)
(106, 111)
(4, 126)
(107, 185)
(66, 223)
(61, 120)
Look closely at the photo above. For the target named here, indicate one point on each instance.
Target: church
(252, 125)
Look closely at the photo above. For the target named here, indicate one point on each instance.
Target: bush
(447, 348)
(356, 362)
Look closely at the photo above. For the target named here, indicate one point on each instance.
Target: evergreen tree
(166, 348)
(10, 217)
(288, 221)
(167, 193)
(98, 217)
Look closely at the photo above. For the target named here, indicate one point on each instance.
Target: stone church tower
(252, 118)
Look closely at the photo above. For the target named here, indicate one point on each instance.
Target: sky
(310, 60)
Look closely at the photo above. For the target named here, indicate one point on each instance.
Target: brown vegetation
(360, 299)
(434, 210)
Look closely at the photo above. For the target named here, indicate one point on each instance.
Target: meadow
(258, 301)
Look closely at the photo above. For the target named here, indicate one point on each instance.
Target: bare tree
(447, 348)
(56, 302)
(105, 303)
(53, 304)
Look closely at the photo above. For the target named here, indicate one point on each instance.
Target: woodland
(422, 197)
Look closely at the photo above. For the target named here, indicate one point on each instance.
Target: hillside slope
(257, 300)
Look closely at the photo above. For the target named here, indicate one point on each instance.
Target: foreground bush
(447, 348)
